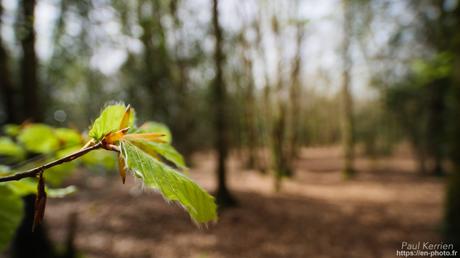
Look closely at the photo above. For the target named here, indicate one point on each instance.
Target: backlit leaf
(154, 127)
(12, 130)
(11, 149)
(57, 174)
(29, 186)
(129, 112)
(11, 213)
(99, 159)
(23, 187)
(163, 149)
(152, 137)
(109, 121)
(172, 184)
(68, 137)
(61, 192)
(39, 138)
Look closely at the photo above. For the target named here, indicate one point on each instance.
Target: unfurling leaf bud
(40, 202)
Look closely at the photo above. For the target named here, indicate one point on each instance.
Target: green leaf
(39, 138)
(172, 184)
(12, 130)
(165, 150)
(100, 158)
(29, 186)
(154, 127)
(68, 137)
(11, 149)
(61, 192)
(11, 212)
(169, 153)
(57, 174)
(109, 121)
(23, 187)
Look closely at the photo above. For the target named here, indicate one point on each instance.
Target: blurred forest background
(331, 127)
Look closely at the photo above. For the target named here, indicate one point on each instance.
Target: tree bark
(6, 85)
(452, 211)
(29, 80)
(223, 196)
(28, 244)
(295, 95)
(251, 142)
(347, 99)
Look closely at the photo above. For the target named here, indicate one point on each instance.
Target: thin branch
(34, 171)
(37, 158)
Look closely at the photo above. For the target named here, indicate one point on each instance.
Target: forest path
(316, 214)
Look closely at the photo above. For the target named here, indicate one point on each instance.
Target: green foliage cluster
(144, 150)
(43, 143)
(419, 103)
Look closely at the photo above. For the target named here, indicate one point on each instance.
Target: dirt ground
(316, 214)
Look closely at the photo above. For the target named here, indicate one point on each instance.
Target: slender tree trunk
(295, 95)
(146, 23)
(266, 111)
(281, 162)
(184, 122)
(223, 196)
(436, 128)
(347, 99)
(28, 244)
(156, 60)
(6, 85)
(250, 104)
(280, 159)
(29, 63)
(251, 128)
(452, 211)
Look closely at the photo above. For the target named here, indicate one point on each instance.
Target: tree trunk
(29, 80)
(452, 211)
(223, 196)
(281, 161)
(156, 60)
(5, 83)
(436, 128)
(250, 104)
(347, 100)
(28, 244)
(295, 95)
(266, 110)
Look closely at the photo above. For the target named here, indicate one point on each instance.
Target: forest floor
(316, 214)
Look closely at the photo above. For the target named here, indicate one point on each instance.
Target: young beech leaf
(68, 137)
(109, 121)
(163, 149)
(29, 186)
(172, 184)
(11, 149)
(39, 138)
(126, 118)
(12, 130)
(122, 168)
(154, 127)
(113, 137)
(11, 213)
(153, 137)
